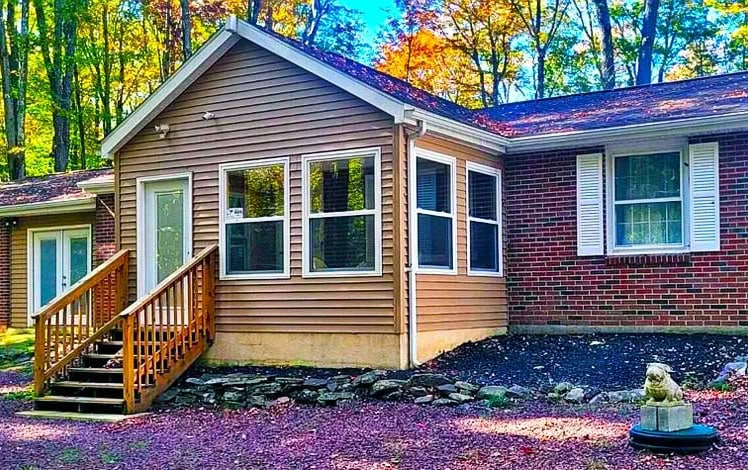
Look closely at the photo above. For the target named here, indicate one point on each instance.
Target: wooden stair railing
(73, 321)
(165, 331)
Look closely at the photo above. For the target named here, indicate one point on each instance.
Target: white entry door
(59, 259)
(164, 239)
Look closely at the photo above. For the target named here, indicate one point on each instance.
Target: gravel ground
(610, 362)
(365, 435)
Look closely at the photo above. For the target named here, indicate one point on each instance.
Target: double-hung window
(484, 220)
(342, 205)
(255, 207)
(648, 203)
(435, 213)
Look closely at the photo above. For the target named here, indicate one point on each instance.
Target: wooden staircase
(96, 356)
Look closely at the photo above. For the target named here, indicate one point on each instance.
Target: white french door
(58, 259)
(164, 238)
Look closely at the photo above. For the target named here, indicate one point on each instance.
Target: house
(53, 230)
(278, 204)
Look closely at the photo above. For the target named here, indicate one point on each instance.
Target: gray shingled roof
(50, 188)
(695, 98)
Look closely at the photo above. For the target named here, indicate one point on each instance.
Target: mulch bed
(366, 435)
(606, 361)
(376, 435)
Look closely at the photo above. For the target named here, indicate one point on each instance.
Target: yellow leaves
(729, 7)
(429, 62)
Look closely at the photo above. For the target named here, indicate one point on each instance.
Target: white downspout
(412, 243)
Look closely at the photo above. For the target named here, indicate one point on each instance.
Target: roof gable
(388, 94)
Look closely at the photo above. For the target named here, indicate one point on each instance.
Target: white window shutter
(704, 203)
(590, 227)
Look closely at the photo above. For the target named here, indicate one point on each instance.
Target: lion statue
(660, 388)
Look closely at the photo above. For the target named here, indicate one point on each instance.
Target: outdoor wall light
(162, 130)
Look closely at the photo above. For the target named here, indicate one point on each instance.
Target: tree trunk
(649, 31)
(14, 72)
(58, 55)
(254, 7)
(80, 121)
(186, 29)
(609, 67)
(540, 79)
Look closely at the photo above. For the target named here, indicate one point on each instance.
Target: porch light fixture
(162, 129)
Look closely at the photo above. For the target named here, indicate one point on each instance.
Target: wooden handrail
(165, 331)
(95, 276)
(73, 321)
(175, 276)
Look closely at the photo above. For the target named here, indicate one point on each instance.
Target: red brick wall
(4, 275)
(103, 236)
(550, 285)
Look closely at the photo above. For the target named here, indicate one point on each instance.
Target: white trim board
(97, 187)
(50, 207)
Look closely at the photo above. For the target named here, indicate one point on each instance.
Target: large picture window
(648, 201)
(343, 214)
(484, 220)
(255, 219)
(435, 212)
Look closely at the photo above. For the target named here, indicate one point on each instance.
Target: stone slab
(667, 419)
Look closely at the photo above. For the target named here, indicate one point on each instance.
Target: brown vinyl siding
(19, 257)
(267, 108)
(456, 302)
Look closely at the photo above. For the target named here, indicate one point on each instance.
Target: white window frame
(306, 245)
(452, 162)
(613, 248)
(285, 218)
(496, 174)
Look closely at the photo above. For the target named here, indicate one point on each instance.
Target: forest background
(71, 70)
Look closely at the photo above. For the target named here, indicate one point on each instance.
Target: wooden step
(95, 370)
(81, 400)
(75, 384)
(99, 356)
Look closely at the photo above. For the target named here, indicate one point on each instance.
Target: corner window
(484, 220)
(255, 219)
(343, 214)
(648, 201)
(435, 212)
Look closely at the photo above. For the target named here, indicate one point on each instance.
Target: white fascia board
(370, 94)
(674, 128)
(49, 207)
(455, 130)
(97, 187)
(165, 94)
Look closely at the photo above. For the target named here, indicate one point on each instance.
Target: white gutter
(680, 127)
(467, 134)
(412, 248)
(97, 187)
(49, 207)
